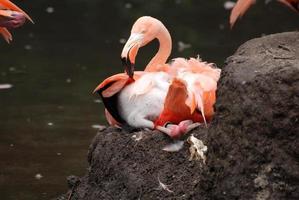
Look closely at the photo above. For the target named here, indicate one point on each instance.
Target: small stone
(5, 86)
(263, 195)
(50, 9)
(83, 67)
(97, 101)
(38, 176)
(221, 26)
(128, 5)
(99, 127)
(122, 40)
(31, 35)
(261, 181)
(228, 5)
(138, 136)
(68, 80)
(28, 47)
(182, 46)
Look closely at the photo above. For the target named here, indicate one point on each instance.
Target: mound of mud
(253, 146)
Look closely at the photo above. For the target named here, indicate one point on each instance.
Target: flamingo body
(183, 90)
(136, 103)
(142, 101)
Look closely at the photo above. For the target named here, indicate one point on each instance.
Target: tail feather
(175, 109)
(209, 99)
(201, 107)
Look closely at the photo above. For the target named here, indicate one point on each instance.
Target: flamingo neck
(164, 51)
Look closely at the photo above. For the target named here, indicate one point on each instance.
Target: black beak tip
(129, 67)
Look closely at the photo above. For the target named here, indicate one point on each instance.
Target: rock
(255, 131)
(252, 142)
(72, 181)
(122, 167)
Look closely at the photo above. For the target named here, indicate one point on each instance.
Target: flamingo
(11, 16)
(243, 5)
(143, 99)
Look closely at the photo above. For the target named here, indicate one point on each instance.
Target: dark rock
(72, 181)
(252, 142)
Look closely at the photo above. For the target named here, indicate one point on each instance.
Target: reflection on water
(47, 118)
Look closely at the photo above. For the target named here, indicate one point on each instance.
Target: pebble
(122, 40)
(228, 5)
(50, 9)
(99, 127)
(68, 80)
(182, 46)
(28, 47)
(128, 5)
(5, 86)
(97, 101)
(38, 176)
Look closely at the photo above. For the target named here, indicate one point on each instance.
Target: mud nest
(253, 148)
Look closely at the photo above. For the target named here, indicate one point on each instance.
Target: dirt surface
(253, 146)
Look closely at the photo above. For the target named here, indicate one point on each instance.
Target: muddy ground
(253, 146)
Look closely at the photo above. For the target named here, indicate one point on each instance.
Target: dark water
(46, 118)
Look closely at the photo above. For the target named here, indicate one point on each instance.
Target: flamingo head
(144, 30)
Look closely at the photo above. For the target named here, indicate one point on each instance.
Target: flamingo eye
(143, 31)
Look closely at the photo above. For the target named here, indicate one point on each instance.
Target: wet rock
(253, 148)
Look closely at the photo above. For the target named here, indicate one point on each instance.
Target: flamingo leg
(182, 128)
(171, 130)
(188, 125)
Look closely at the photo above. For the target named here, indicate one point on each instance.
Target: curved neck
(164, 51)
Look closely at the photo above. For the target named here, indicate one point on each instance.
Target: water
(46, 118)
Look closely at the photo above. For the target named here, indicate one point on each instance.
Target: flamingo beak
(129, 53)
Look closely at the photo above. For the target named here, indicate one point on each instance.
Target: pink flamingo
(148, 101)
(11, 16)
(243, 5)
